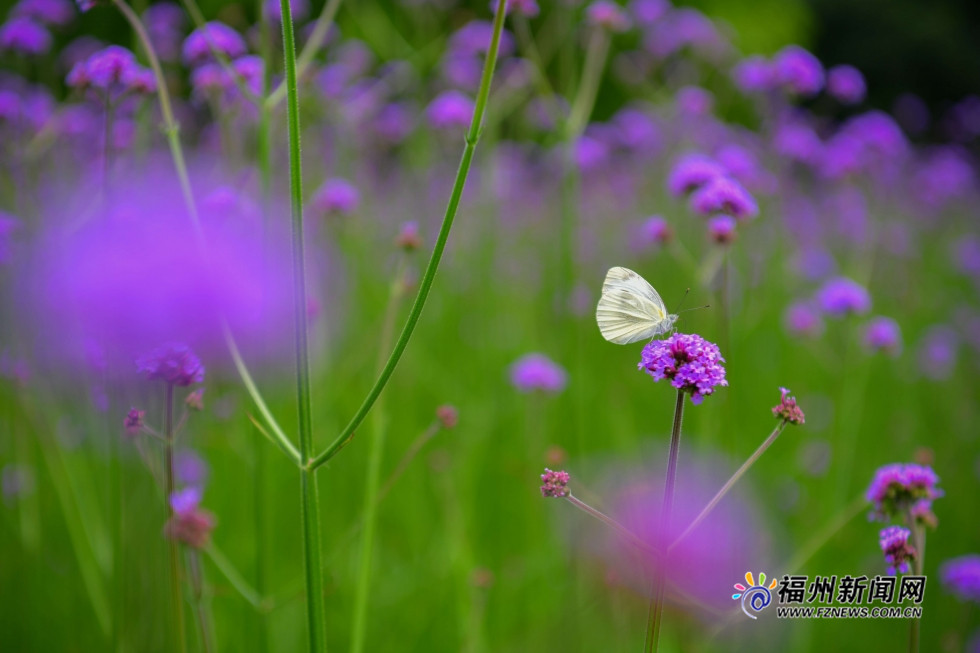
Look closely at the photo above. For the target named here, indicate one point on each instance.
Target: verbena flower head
(173, 363)
(23, 35)
(197, 46)
(47, 12)
(883, 334)
(754, 74)
(189, 524)
(336, 196)
(555, 484)
(846, 84)
(798, 71)
(724, 195)
(190, 470)
(691, 172)
(803, 319)
(474, 38)
(894, 542)
(608, 15)
(538, 372)
(721, 229)
(787, 409)
(654, 231)
(841, 296)
(688, 361)
(898, 488)
(112, 71)
(961, 576)
(133, 422)
(450, 109)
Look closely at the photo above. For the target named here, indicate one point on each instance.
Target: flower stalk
(177, 603)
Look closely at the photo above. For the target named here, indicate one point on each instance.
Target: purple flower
(607, 15)
(190, 470)
(186, 501)
(528, 8)
(538, 372)
(450, 109)
(336, 196)
(883, 334)
(938, 352)
(474, 38)
(721, 229)
(803, 319)
(24, 36)
(846, 84)
(648, 12)
(393, 123)
(447, 415)
(590, 152)
(654, 231)
(754, 74)
(555, 484)
(692, 171)
(787, 409)
(189, 523)
(691, 363)
(173, 363)
(724, 195)
(408, 237)
(47, 12)
(798, 71)
(798, 141)
(637, 131)
(961, 576)
(694, 101)
(898, 488)
(945, 175)
(299, 9)
(894, 542)
(133, 422)
(224, 39)
(113, 71)
(841, 296)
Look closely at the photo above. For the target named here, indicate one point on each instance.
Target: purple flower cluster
(691, 172)
(224, 39)
(555, 484)
(450, 109)
(787, 409)
(537, 372)
(212, 80)
(24, 35)
(335, 197)
(899, 489)
(883, 334)
(189, 523)
(112, 71)
(688, 361)
(607, 15)
(894, 542)
(846, 84)
(798, 71)
(841, 296)
(54, 13)
(961, 576)
(133, 422)
(173, 363)
(724, 195)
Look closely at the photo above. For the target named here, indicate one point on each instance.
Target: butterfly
(630, 309)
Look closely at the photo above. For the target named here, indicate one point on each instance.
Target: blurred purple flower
(841, 296)
(474, 38)
(961, 577)
(637, 131)
(897, 488)
(846, 84)
(796, 140)
(724, 195)
(607, 15)
(694, 101)
(721, 229)
(173, 363)
(803, 319)
(555, 484)
(787, 409)
(527, 8)
(945, 175)
(185, 501)
(189, 523)
(393, 123)
(894, 542)
(299, 9)
(46, 12)
(590, 152)
(190, 470)
(24, 36)
(883, 334)
(336, 197)
(648, 12)
(938, 352)
(450, 109)
(798, 71)
(462, 71)
(654, 231)
(165, 23)
(537, 372)
(689, 362)
(754, 74)
(692, 171)
(133, 422)
(113, 71)
(224, 39)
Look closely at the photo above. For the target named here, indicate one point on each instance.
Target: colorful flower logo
(757, 596)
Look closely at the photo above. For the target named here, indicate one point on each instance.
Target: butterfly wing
(629, 310)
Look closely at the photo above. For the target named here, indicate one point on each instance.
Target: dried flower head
(447, 415)
(195, 400)
(133, 422)
(691, 363)
(899, 490)
(894, 542)
(787, 409)
(173, 362)
(555, 484)
(189, 523)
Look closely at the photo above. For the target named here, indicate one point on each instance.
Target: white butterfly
(630, 309)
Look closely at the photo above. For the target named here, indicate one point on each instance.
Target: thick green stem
(378, 431)
(177, 603)
(660, 573)
(308, 491)
(731, 482)
(425, 285)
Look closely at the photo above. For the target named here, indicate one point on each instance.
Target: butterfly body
(630, 310)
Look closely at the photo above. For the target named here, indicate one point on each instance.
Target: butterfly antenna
(696, 308)
(683, 299)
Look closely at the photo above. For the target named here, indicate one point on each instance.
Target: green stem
(378, 430)
(660, 575)
(308, 490)
(236, 579)
(197, 583)
(319, 35)
(177, 604)
(918, 564)
(595, 61)
(731, 482)
(425, 285)
(626, 533)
